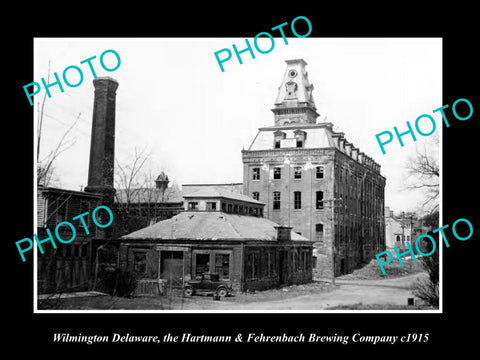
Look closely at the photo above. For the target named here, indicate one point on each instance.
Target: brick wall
(291, 270)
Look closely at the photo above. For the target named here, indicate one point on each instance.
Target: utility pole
(333, 205)
(411, 227)
(403, 232)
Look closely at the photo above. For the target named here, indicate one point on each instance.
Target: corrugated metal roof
(216, 225)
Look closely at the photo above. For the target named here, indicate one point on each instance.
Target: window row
(210, 205)
(297, 173)
(229, 207)
(254, 261)
(297, 199)
(265, 265)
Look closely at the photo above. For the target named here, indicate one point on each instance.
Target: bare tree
(40, 114)
(138, 200)
(424, 174)
(45, 168)
(128, 184)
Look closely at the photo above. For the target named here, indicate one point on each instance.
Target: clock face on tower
(292, 73)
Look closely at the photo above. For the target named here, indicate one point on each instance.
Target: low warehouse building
(220, 232)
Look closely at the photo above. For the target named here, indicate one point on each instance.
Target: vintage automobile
(207, 283)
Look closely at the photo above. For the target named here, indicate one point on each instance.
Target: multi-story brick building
(314, 180)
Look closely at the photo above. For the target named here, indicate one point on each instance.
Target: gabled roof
(192, 225)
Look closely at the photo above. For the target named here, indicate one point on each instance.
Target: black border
(455, 25)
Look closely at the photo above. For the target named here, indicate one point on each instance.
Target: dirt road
(360, 290)
(394, 291)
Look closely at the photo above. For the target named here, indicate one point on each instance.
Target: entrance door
(172, 267)
(202, 263)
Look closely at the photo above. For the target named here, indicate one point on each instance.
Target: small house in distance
(220, 232)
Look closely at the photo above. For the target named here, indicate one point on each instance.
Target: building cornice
(327, 125)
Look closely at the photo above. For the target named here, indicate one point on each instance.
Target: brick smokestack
(102, 146)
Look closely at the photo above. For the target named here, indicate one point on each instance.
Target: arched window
(300, 135)
(278, 136)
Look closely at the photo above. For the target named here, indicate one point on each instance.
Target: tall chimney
(102, 146)
(284, 233)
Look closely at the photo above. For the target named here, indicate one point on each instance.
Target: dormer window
(300, 135)
(278, 136)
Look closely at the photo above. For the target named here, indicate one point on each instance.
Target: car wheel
(188, 291)
(222, 292)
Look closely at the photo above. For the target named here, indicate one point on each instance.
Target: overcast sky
(194, 119)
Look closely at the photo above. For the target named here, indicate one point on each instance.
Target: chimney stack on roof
(284, 233)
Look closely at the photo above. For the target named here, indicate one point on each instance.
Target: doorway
(172, 267)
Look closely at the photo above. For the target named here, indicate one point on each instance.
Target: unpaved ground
(366, 287)
(383, 292)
